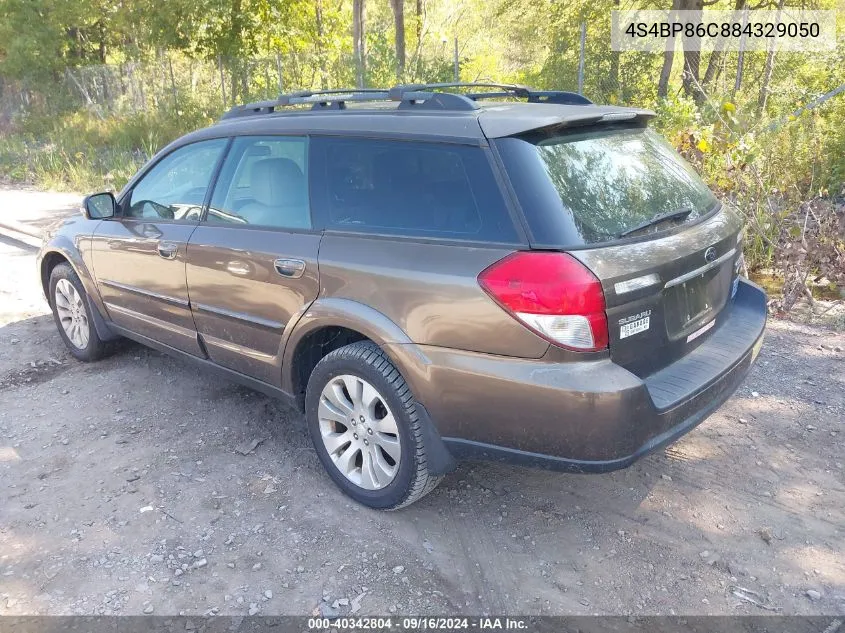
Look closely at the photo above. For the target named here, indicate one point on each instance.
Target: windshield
(601, 184)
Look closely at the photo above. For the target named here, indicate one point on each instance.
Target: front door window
(175, 188)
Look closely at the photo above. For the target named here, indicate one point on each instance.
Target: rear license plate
(697, 299)
(694, 297)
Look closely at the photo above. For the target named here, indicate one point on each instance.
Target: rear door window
(405, 188)
(263, 182)
(595, 186)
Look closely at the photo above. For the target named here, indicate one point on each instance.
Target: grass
(772, 282)
(80, 152)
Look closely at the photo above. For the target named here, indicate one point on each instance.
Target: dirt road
(122, 491)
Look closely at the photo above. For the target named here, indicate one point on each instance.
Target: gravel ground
(124, 490)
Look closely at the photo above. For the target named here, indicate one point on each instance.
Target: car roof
(489, 121)
(417, 110)
(375, 121)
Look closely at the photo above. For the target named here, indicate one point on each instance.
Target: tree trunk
(767, 77)
(358, 41)
(318, 16)
(692, 73)
(222, 82)
(666, 71)
(740, 58)
(234, 47)
(713, 66)
(101, 48)
(399, 29)
(692, 58)
(767, 73)
(614, 88)
(668, 60)
(418, 31)
(717, 57)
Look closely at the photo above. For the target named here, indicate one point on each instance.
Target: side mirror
(99, 205)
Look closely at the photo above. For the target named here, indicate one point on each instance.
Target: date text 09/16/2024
(418, 623)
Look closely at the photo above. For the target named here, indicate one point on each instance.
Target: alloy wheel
(359, 432)
(72, 314)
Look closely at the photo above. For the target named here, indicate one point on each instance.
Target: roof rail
(328, 96)
(422, 95)
(514, 89)
(428, 96)
(505, 90)
(558, 96)
(320, 100)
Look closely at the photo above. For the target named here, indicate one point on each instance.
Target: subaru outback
(428, 273)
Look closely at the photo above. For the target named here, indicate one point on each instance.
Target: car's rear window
(595, 186)
(409, 188)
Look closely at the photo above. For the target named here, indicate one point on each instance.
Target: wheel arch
(62, 250)
(54, 255)
(49, 261)
(356, 321)
(331, 323)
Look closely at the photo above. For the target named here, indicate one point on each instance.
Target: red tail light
(553, 294)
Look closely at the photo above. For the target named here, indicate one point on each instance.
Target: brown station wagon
(428, 272)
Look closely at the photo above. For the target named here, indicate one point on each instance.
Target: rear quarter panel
(429, 290)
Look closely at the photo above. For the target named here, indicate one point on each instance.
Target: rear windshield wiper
(680, 214)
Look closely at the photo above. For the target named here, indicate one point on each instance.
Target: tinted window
(175, 188)
(264, 182)
(600, 184)
(413, 189)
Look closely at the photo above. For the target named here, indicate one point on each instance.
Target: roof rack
(321, 97)
(320, 100)
(505, 90)
(429, 96)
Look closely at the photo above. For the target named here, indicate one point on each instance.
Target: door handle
(237, 267)
(291, 268)
(168, 250)
(150, 231)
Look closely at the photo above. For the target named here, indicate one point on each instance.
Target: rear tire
(72, 314)
(358, 408)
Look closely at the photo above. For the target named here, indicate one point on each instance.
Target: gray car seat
(280, 193)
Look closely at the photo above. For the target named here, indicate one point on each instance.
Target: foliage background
(90, 89)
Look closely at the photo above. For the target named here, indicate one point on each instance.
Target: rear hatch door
(664, 295)
(620, 199)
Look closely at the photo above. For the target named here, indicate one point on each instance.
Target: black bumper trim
(702, 367)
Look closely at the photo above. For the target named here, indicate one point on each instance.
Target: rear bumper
(592, 416)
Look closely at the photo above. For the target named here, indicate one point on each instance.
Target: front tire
(362, 419)
(72, 315)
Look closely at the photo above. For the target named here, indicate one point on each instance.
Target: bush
(785, 177)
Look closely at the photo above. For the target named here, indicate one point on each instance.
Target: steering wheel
(161, 210)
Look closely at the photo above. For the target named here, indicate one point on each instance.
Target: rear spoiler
(510, 120)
